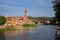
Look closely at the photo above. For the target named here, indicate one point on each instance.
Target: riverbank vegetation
(2, 20)
(57, 12)
(7, 29)
(41, 18)
(29, 25)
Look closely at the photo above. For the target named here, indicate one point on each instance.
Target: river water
(41, 32)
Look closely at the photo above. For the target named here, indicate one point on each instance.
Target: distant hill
(42, 18)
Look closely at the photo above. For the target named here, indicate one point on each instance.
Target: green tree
(57, 12)
(2, 20)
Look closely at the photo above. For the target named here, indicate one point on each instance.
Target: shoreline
(17, 27)
(57, 34)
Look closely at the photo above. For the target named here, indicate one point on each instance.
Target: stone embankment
(16, 26)
(3, 26)
(57, 34)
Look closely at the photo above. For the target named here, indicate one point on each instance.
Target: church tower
(25, 18)
(26, 13)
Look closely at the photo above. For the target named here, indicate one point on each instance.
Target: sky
(36, 8)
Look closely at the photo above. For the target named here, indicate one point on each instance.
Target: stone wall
(2, 26)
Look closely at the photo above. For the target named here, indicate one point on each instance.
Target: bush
(2, 20)
(28, 25)
(6, 29)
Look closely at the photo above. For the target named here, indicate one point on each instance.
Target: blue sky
(35, 8)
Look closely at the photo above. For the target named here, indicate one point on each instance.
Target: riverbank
(29, 25)
(6, 28)
(58, 33)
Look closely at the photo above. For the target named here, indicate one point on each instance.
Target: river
(41, 32)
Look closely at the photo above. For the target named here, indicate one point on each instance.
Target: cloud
(12, 10)
(35, 7)
(8, 1)
(11, 7)
(26, 2)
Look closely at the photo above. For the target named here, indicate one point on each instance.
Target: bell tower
(25, 18)
(26, 13)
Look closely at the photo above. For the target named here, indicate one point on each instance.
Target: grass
(28, 25)
(6, 29)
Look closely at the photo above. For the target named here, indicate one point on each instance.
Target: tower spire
(26, 13)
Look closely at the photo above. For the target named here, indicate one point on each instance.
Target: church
(19, 20)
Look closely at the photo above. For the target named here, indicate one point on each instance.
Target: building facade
(18, 20)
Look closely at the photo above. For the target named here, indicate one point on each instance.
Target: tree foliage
(2, 20)
(57, 12)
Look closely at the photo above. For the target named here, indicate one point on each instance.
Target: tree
(57, 12)
(2, 20)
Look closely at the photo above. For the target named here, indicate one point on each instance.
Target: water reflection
(42, 32)
(21, 34)
(2, 36)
